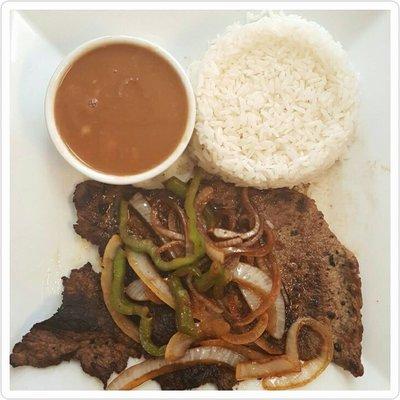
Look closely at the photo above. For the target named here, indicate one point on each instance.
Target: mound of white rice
(276, 103)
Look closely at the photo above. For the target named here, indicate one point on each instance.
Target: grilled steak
(320, 276)
(81, 329)
(97, 209)
(220, 375)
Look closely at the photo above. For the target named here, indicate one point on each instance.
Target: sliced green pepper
(188, 270)
(210, 278)
(180, 189)
(194, 235)
(145, 338)
(176, 186)
(183, 312)
(223, 279)
(118, 299)
(148, 247)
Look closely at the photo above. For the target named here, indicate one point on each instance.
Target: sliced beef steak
(320, 276)
(220, 375)
(97, 208)
(81, 329)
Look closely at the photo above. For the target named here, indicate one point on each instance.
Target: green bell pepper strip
(122, 305)
(148, 247)
(176, 186)
(223, 279)
(183, 312)
(210, 278)
(180, 188)
(118, 299)
(194, 235)
(187, 270)
(145, 327)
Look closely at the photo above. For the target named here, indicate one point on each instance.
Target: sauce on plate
(122, 109)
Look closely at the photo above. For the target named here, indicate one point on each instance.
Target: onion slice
(170, 245)
(253, 215)
(138, 291)
(142, 206)
(278, 329)
(215, 253)
(220, 233)
(149, 369)
(161, 230)
(124, 323)
(268, 348)
(177, 346)
(252, 277)
(274, 366)
(146, 271)
(310, 369)
(208, 303)
(243, 350)
(277, 316)
(249, 336)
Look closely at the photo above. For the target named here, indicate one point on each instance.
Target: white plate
(354, 195)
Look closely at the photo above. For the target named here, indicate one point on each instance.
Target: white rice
(276, 103)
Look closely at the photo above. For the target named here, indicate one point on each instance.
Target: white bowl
(63, 149)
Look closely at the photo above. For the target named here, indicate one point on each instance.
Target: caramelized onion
(214, 327)
(177, 346)
(250, 336)
(161, 230)
(274, 366)
(277, 329)
(310, 369)
(204, 196)
(229, 242)
(243, 350)
(267, 347)
(252, 214)
(136, 290)
(149, 369)
(170, 245)
(260, 251)
(220, 233)
(253, 278)
(124, 323)
(214, 252)
(142, 206)
(277, 316)
(146, 271)
(208, 303)
(183, 222)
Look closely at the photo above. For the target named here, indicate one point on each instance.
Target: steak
(220, 375)
(81, 329)
(319, 275)
(97, 208)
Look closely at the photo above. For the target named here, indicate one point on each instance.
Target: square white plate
(354, 195)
